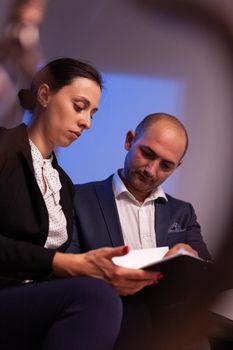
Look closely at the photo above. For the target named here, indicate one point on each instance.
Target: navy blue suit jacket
(98, 224)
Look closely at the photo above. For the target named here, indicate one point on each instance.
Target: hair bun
(26, 99)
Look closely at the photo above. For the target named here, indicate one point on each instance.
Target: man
(131, 208)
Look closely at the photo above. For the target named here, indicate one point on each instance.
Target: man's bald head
(166, 121)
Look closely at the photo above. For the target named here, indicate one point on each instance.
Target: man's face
(152, 157)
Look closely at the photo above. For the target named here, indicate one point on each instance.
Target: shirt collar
(36, 155)
(119, 189)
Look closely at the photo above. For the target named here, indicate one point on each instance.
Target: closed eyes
(78, 108)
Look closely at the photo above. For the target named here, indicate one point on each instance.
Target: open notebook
(179, 292)
(141, 258)
(151, 258)
(183, 272)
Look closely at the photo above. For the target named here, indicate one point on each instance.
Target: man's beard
(142, 181)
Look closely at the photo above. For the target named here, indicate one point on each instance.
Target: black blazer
(23, 213)
(98, 223)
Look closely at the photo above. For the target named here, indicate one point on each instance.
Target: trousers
(69, 313)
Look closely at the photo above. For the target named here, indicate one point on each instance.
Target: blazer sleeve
(22, 260)
(74, 246)
(193, 235)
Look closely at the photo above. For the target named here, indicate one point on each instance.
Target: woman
(38, 309)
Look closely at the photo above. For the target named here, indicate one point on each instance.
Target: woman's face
(66, 113)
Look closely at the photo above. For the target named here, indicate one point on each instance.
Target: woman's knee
(94, 308)
(96, 293)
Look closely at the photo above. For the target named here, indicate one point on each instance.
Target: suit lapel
(107, 203)
(23, 150)
(162, 220)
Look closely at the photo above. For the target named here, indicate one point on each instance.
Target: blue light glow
(126, 100)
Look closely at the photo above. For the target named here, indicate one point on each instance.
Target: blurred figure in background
(20, 54)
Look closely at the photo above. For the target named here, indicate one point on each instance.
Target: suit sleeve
(193, 235)
(74, 246)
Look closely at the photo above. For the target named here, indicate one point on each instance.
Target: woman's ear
(129, 139)
(43, 94)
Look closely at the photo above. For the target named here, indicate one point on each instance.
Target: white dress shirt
(137, 219)
(49, 183)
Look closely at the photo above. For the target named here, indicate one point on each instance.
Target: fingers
(188, 248)
(110, 252)
(126, 281)
(130, 281)
(175, 249)
(132, 287)
(136, 274)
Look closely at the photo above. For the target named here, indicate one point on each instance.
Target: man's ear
(129, 139)
(43, 95)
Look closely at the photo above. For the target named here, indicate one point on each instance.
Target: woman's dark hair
(57, 74)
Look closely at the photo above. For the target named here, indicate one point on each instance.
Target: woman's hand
(98, 263)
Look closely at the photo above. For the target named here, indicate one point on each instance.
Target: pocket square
(175, 227)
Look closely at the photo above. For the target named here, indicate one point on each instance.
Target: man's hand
(179, 246)
(98, 263)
